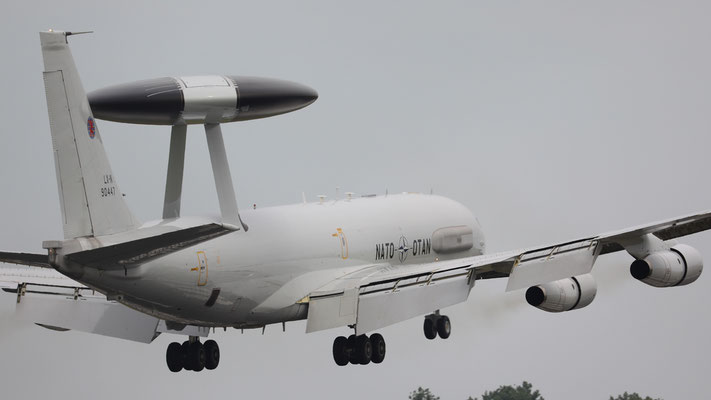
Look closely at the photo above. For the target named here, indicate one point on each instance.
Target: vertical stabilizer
(92, 203)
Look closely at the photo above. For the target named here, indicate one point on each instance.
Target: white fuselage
(287, 253)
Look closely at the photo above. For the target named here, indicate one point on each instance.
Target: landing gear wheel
(340, 351)
(174, 357)
(444, 327)
(364, 349)
(196, 356)
(430, 329)
(351, 346)
(212, 354)
(185, 352)
(378, 345)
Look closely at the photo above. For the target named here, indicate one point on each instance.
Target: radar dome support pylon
(174, 178)
(220, 170)
(207, 100)
(223, 178)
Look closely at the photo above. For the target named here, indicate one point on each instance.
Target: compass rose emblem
(402, 249)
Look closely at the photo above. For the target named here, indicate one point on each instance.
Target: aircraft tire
(378, 344)
(430, 329)
(340, 351)
(351, 349)
(185, 351)
(174, 357)
(196, 355)
(212, 354)
(444, 327)
(364, 349)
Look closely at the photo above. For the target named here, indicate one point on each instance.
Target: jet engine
(679, 266)
(563, 295)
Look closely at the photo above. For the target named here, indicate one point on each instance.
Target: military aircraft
(361, 262)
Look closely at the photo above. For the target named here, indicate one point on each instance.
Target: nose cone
(266, 97)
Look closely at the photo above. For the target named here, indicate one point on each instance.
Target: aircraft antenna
(77, 33)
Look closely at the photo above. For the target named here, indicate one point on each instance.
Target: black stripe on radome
(154, 101)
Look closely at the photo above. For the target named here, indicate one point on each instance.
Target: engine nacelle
(679, 266)
(563, 295)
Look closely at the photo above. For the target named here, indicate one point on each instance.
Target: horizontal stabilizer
(140, 251)
(34, 260)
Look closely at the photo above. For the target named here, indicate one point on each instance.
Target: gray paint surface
(548, 121)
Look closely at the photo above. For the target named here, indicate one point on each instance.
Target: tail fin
(91, 201)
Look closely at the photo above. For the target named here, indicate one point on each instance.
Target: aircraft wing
(665, 230)
(383, 294)
(49, 299)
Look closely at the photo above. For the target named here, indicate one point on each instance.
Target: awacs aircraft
(359, 262)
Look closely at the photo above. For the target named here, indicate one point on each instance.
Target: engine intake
(679, 266)
(563, 295)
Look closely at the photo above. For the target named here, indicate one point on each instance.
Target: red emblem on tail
(91, 127)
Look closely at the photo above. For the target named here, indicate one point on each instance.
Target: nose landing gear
(192, 355)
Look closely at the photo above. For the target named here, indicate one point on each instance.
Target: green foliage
(522, 392)
(422, 394)
(633, 396)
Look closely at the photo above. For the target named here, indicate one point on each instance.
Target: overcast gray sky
(549, 120)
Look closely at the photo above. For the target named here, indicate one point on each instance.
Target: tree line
(521, 392)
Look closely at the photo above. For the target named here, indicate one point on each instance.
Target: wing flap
(383, 308)
(378, 296)
(332, 311)
(548, 265)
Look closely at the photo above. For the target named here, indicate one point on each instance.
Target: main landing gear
(359, 349)
(192, 355)
(364, 350)
(436, 324)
